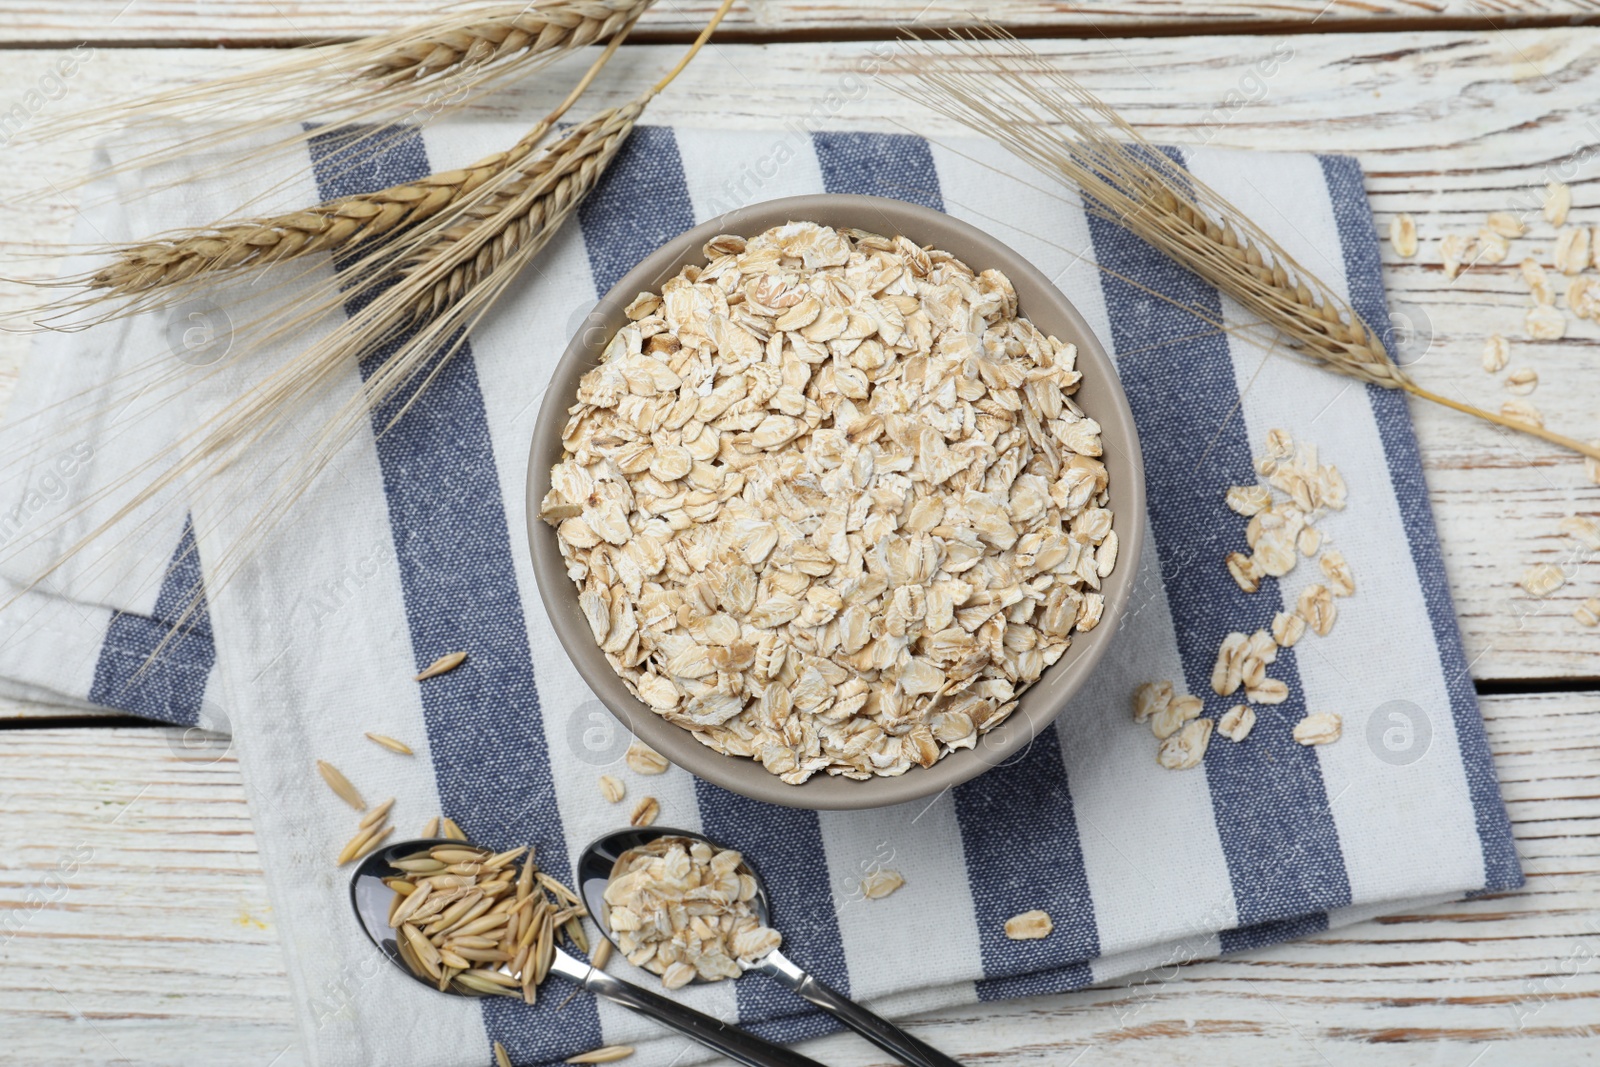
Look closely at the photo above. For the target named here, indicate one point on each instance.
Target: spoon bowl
(602, 859)
(371, 898)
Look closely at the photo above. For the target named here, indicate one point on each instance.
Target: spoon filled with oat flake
(470, 922)
(688, 910)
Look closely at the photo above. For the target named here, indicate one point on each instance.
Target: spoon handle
(880, 1031)
(737, 1045)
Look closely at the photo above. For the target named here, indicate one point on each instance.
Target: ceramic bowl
(1100, 395)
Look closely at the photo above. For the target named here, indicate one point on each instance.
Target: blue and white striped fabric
(414, 547)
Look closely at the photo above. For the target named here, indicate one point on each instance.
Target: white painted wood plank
(277, 21)
(162, 934)
(1449, 126)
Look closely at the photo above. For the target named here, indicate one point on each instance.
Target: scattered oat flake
(1318, 728)
(1170, 719)
(1538, 284)
(1244, 570)
(1287, 628)
(442, 665)
(1521, 381)
(1496, 353)
(1249, 500)
(1029, 926)
(1542, 579)
(1403, 235)
(1583, 530)
(1186, 748)
(1317, 608)
(1341, 580)
(1523, 411)
(1545, 323)
(1505, 224)
(642, 759)
(1150, 698)
(1583, 297)
(880, 883)
(1571, 253)
(1588, 612)
(1490, 247)
(646, 812)
(1268, 691)
(1453, 249)
(612, 788)
(1557, 202)
(1236, 722)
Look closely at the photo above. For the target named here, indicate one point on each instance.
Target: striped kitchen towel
(415, 546)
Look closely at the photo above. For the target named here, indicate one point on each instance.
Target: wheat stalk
(334, 225)
(1051, 121)
(496, 34)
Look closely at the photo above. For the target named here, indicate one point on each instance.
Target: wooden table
(1454, 107)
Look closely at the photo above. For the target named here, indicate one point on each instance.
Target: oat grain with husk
(472, 920)
(1044, 116)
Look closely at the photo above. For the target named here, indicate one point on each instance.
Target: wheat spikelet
(335, 225)
(1042, 115)
(498, 33)
(521, 218)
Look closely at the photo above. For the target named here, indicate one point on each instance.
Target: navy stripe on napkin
(447, 516)
(155, 666)
(1270, 803)
(639, 204)
(1024, 809)
(896, 165)
(1363, 270)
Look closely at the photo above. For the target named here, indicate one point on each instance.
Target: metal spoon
(371, 900)
(600, 859)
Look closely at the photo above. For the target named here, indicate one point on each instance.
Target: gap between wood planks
(1065, 31)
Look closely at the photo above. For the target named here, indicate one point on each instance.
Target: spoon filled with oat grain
(689, 910)
(470, 922)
